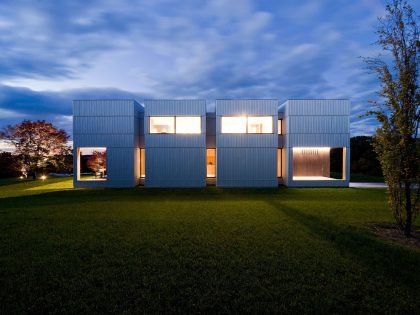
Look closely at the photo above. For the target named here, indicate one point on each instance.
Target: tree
(363, 158)
(97, 162)
(37, 143)
(9, 165)
(396, 140)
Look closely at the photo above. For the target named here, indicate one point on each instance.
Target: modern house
(240, 143)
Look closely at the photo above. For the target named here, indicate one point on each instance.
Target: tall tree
(396, 140)
(37, 143)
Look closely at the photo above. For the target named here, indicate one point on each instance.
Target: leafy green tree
(37, 144)
(396, 140)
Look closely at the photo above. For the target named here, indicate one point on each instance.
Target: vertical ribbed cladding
(247, 160)
(316, 123)
(175, 160)
(112, 124)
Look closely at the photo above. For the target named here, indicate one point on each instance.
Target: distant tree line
(363, 158)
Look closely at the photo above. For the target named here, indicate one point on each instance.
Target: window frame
(161, 133)
(175, 132)
(246, 129)
(79, 163)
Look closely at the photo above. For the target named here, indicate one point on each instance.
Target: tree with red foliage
(36, 144)
(97, 162)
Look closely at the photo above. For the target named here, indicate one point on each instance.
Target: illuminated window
(279, 163)
(142, 163)
(279, 126)
(234, 124)
(91, 164)
(319, 163)
(190, 124)
(260, 124)
(211, 162)
(162, 124)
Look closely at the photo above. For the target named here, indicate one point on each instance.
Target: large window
(247, 124)
(191, 124)
(211, 162)
(234, 124)
(162, 124)
(175, 124)
(319, 163)
(260, 124)
(91, 164)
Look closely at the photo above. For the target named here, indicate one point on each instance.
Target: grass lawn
(199, 251)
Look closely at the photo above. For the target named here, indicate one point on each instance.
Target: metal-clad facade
(175, 160)
(179, 160)
(112, 124)
(315, 123)
(246, 160)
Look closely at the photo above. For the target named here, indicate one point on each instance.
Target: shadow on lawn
(377, 257)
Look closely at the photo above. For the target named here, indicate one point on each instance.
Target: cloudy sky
(55, 51)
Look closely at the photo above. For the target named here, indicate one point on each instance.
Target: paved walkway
(368, 185)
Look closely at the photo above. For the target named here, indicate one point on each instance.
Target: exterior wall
(315, 123)
(113, 124)
(246, 160)
(175, 160)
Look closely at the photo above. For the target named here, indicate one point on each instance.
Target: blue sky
(55, 51)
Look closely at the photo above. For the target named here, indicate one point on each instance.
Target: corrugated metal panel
(246, 167)
(175, 141)
(211, 141)
(247, 140)
(318, 124)
(175, 107)
(247, 107)
(175, 167)
(318, 140)
(211, 126)
(318, 107)
(120, 162)
(104, 107)
(104, 125)
(101, 140)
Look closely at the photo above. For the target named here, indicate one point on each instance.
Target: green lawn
(199, 251)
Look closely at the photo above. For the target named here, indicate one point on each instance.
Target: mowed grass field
(212, 250)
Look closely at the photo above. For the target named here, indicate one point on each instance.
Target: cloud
(179, 49)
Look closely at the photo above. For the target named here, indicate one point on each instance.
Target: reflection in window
(211, 162)
(260, 124)
(190, 124)
(91, 164)
(162, 124)
(234, 124)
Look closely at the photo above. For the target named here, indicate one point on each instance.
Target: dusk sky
(55, 51)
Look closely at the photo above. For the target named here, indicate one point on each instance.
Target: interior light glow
(260, 124)
(232, 124)
(162, 124)
(191, 124)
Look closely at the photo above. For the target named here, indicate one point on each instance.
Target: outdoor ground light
(43, 177)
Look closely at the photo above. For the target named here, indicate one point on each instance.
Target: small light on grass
(20, 177)
(43, 177)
